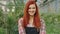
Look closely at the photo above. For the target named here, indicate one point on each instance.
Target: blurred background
(12, 10)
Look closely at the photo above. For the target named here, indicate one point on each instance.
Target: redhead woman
(31, 23)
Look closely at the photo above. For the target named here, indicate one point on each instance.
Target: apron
(31, 30)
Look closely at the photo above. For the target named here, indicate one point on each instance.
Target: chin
(31, 14)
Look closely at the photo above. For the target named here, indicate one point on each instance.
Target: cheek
(34, 10)
(29, 10)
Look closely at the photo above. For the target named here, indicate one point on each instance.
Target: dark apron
(31, 30)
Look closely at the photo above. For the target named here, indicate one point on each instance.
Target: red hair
(36, 21)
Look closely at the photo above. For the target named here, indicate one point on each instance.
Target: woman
(31, 23)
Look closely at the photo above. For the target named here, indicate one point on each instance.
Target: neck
(31, 17)
(31, 20)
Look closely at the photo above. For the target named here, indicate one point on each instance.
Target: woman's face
(32, 9)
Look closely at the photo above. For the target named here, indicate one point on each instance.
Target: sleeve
(43, 27)
(20, 28)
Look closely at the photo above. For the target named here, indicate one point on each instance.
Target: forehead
(32, 5)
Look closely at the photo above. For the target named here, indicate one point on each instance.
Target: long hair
(36, 20)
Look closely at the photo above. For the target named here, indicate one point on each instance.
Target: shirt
(21, 30)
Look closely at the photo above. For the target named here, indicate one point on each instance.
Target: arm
(43, 27)
(20, 28)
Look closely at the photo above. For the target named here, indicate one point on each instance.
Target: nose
(32, 10)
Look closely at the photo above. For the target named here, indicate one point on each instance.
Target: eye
(33, 8)
(29, 8)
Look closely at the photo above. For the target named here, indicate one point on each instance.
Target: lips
(31, 11)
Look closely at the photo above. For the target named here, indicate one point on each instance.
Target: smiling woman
(31, 23)
(32, 9)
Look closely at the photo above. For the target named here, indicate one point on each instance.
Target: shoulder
(20, 20)
(42, 21)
